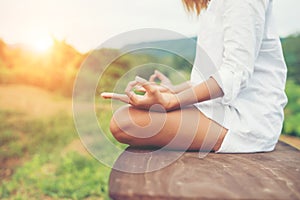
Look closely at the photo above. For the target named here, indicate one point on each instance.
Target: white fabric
(240, 38)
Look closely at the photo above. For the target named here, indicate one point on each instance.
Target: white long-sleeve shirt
(246, 59)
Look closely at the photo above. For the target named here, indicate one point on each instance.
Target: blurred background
(42, 46)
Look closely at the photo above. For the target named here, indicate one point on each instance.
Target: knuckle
(153, 90)
(133, 100)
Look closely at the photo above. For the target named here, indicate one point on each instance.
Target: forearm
(202, 92)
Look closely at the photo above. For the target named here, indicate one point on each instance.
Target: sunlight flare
(42, 43)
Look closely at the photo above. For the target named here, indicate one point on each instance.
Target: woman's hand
(165, 83)
(154, 99)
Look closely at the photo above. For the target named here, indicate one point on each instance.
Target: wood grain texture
(274, 175)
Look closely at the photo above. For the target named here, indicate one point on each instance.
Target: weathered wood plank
(274, 175)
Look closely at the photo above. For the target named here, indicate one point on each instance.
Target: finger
(160, 76)
(139, 88)
(152, 78)
(129, 90)
(133, 99)
(121, 97)
(150, 88)
(130, 86)
(106, 95)
(141, 80)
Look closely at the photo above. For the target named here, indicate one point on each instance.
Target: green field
(41, 155)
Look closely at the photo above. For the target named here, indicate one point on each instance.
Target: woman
(247, 88)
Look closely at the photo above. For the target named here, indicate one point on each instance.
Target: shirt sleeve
(243, 26)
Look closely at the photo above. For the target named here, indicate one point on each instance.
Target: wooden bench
(273, 175)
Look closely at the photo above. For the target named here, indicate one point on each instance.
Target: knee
(119, 126)
(117, 132)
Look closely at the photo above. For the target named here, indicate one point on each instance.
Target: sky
(86, 24)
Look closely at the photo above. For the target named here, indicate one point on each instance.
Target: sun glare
(42, 43)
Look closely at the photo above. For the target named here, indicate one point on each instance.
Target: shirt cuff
(230, 83)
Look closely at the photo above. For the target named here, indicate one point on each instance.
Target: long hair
(195, 5)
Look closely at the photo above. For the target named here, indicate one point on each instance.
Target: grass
(44, 171)
(292, 110)
(71, 176)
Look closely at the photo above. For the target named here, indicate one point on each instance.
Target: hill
(186, 47)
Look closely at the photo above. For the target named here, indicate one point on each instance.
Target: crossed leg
(185, 129)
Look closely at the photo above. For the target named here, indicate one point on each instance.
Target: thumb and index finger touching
(149, 86)
(157, 74)
(129, 94)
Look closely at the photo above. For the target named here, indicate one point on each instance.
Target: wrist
(173, 103)
(176, 89)
(181, 87)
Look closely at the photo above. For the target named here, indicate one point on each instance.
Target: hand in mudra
(164, 86)
(165, 83)
(155, 98)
